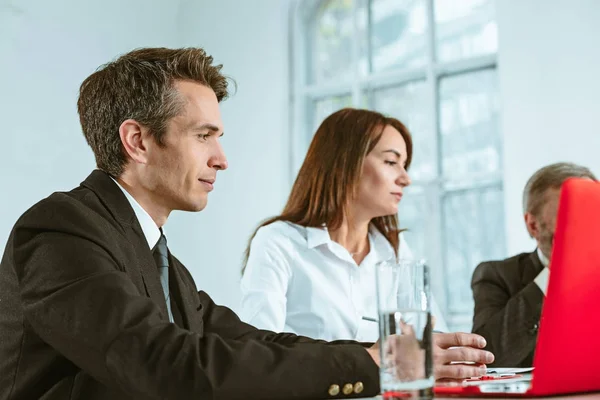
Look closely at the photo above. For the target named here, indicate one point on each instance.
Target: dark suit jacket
(508, 304)
(83, 316)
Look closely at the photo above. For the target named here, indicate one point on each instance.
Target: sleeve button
(348, 388)
(334, 390)
(358, 387)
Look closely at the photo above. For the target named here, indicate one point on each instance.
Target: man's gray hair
(550, 176)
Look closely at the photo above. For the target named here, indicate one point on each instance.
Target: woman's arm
(265, 281)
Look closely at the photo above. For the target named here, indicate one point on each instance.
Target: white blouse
(298, 280)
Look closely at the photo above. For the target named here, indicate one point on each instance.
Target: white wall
(46, 50)
(251, 44)
(549, 65)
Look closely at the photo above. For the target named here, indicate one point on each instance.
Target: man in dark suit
(509, 294)
(94, 306)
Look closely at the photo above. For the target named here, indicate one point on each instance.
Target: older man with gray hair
(509, 293)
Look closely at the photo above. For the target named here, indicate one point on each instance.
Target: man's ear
(132, 136)
(532, 224)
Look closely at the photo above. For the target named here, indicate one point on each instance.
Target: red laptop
(568, 348)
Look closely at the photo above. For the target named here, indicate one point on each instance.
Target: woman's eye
(391, 162)
(204, 136)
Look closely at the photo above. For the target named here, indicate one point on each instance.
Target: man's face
(182, 172)
(545, 222)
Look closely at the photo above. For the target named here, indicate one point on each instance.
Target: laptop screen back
(568, 348)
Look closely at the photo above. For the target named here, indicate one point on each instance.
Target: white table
(590, 396)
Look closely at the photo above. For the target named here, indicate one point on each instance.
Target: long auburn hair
(329, 175)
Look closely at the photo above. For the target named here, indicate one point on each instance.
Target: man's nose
(219, 160)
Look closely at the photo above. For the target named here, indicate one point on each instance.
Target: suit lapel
(147, 266)
(189, 301)
(117, 204)
(533, 266)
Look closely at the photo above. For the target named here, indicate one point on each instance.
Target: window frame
(304, 94)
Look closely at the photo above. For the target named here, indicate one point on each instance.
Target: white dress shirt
(544, 276)
(151, 231)
(298, 280)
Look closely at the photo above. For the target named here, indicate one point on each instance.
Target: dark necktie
(161, 257)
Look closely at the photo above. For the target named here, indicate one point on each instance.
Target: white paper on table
(503, 371)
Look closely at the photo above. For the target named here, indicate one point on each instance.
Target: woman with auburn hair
(311, 270)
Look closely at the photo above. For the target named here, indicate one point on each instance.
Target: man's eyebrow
(209, 126)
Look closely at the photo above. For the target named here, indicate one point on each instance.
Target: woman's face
(383, 178)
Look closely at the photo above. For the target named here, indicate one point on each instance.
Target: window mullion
(302, 33)
(435, 192)
(369, 31)
(356, 87)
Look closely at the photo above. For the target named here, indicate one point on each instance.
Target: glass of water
(403, 299)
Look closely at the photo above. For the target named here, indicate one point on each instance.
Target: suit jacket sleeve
(78, 299)
(506, 322)
(224, 322)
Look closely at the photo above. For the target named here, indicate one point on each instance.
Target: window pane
(470, 135)
(412, 216)
(410, 104)
(332, 39)
(473, 232)
(322, 108)
(465, 28)
(398, 33)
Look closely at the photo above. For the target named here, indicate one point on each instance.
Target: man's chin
(194, 207)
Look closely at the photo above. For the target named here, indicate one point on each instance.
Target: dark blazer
(508, 305)
(83, 316)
